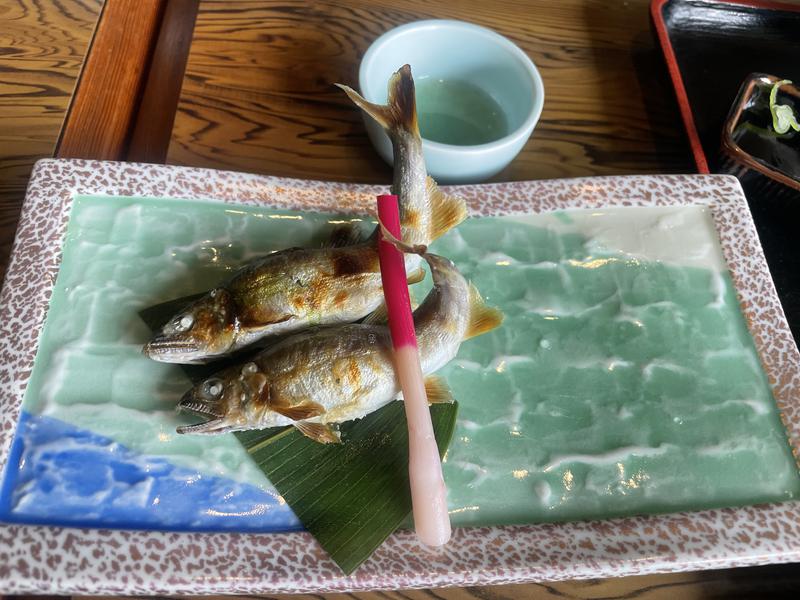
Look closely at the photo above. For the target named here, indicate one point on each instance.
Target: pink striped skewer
(428, 492)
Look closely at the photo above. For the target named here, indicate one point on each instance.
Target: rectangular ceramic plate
(51, 559)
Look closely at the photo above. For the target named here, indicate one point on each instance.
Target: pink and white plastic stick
(428, 492)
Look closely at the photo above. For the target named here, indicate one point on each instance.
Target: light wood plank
(104, 106)
(42, 44)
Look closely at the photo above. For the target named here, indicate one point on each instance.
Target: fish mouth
(207, 428)
(215, 415)
(165, 349)
(204, 408)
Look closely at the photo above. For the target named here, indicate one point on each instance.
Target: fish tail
(402, 100)
(400, 113)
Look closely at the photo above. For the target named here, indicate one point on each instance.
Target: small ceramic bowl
(462, 54)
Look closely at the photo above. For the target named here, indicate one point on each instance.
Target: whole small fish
(296, 288)
(316, 379)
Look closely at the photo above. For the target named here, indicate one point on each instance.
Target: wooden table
(258, 93)
(42, 45)
(257, 96)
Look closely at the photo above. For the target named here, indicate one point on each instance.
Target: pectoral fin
(447, 211)
(297, 412)
(257, 322)
(324, 434)
(482, 318)
(437, 391)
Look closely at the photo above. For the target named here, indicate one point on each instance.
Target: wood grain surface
(42, 44)
(159, 99)
(105, 103)
(257, 96)
(258, 93)
(124, 102)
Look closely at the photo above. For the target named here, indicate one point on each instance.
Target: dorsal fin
(482, 318)
(446, 211)
(379, 316)
(400, 111)
(346, 234)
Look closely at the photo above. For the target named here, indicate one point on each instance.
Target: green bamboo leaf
(349, 496)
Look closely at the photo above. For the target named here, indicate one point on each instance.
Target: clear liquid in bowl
(458, 113)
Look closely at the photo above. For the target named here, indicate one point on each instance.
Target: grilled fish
(296, 288)
(316, 379)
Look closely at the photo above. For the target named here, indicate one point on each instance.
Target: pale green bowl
(458, 51)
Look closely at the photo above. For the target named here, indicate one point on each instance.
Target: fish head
(228, 400)
(203, 330)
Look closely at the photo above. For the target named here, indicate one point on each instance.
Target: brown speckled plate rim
(37, 559)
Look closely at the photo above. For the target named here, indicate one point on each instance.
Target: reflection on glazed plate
(623, 381)
(60, 560)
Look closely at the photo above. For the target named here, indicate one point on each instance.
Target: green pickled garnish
(782, 114)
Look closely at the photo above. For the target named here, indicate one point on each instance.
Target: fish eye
(212, 388)
(183, 322)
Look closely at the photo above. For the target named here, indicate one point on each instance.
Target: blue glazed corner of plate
(58, 474)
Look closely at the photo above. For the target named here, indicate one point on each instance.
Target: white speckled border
(86, 561)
